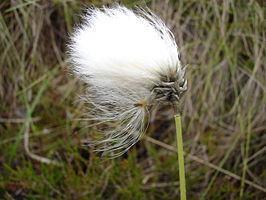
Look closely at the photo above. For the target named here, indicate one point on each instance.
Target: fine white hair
(130, 61)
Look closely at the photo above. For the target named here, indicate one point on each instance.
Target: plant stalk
(180, 153)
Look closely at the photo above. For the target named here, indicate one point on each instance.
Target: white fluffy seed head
(130, 61)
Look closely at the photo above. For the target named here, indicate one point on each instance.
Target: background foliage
(223, 44)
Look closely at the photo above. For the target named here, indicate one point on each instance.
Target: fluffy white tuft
(125, 57)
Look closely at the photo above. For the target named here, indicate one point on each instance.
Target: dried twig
(204, 162)
(32, 155)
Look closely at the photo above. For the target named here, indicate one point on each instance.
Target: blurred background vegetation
(223, 42)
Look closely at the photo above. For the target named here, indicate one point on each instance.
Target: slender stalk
(180, 153)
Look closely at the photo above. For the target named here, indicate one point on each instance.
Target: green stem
(180, 153)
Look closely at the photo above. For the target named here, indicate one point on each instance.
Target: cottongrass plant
(130, 62)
